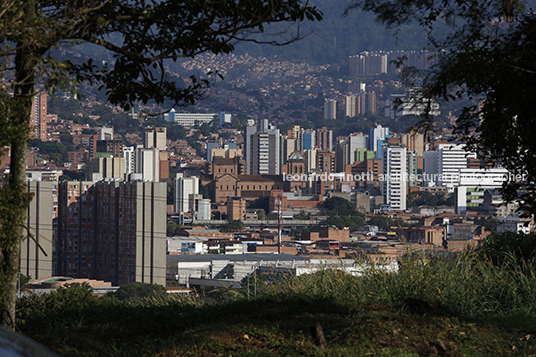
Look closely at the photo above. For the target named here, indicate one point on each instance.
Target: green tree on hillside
(150, 35)
(239, 121)
(176, 132)
(57, 152)
(386, 222)
(352, 222)
(342, 213)
(381, 222)
(340, 206)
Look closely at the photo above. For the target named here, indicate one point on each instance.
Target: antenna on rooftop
(279, 227)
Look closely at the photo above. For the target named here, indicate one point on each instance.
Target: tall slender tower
(351, 106)
(154, 139)
(330, 109)
(394, 184)
(264, 149)
(38, 118)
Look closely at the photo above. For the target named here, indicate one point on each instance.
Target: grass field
(432, 307)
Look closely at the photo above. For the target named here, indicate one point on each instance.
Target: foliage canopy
(484, 53)
(342, 213)
(340, 205)
(426, 198)
(142, 38)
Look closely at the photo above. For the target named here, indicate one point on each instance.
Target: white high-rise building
(203, 210)
(473, 182)
(451, 158)
(264, 154)
(106, 133)
(184, 188)
(355, 141)
(351, 106)
(129, 153)
(394, 184)
(148, 164)
(375, 134)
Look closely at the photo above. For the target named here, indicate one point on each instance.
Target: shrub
(468, 285)
(138, 292)
(67, 303)
(500, 247)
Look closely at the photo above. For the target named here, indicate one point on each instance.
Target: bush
(72, 296)
(468, 285)
(65, 305)
(502, 247)
(138, 292)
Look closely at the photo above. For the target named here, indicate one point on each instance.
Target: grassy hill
(283, 327)
(480, 303)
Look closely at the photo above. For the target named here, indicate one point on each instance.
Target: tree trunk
(15, 197)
